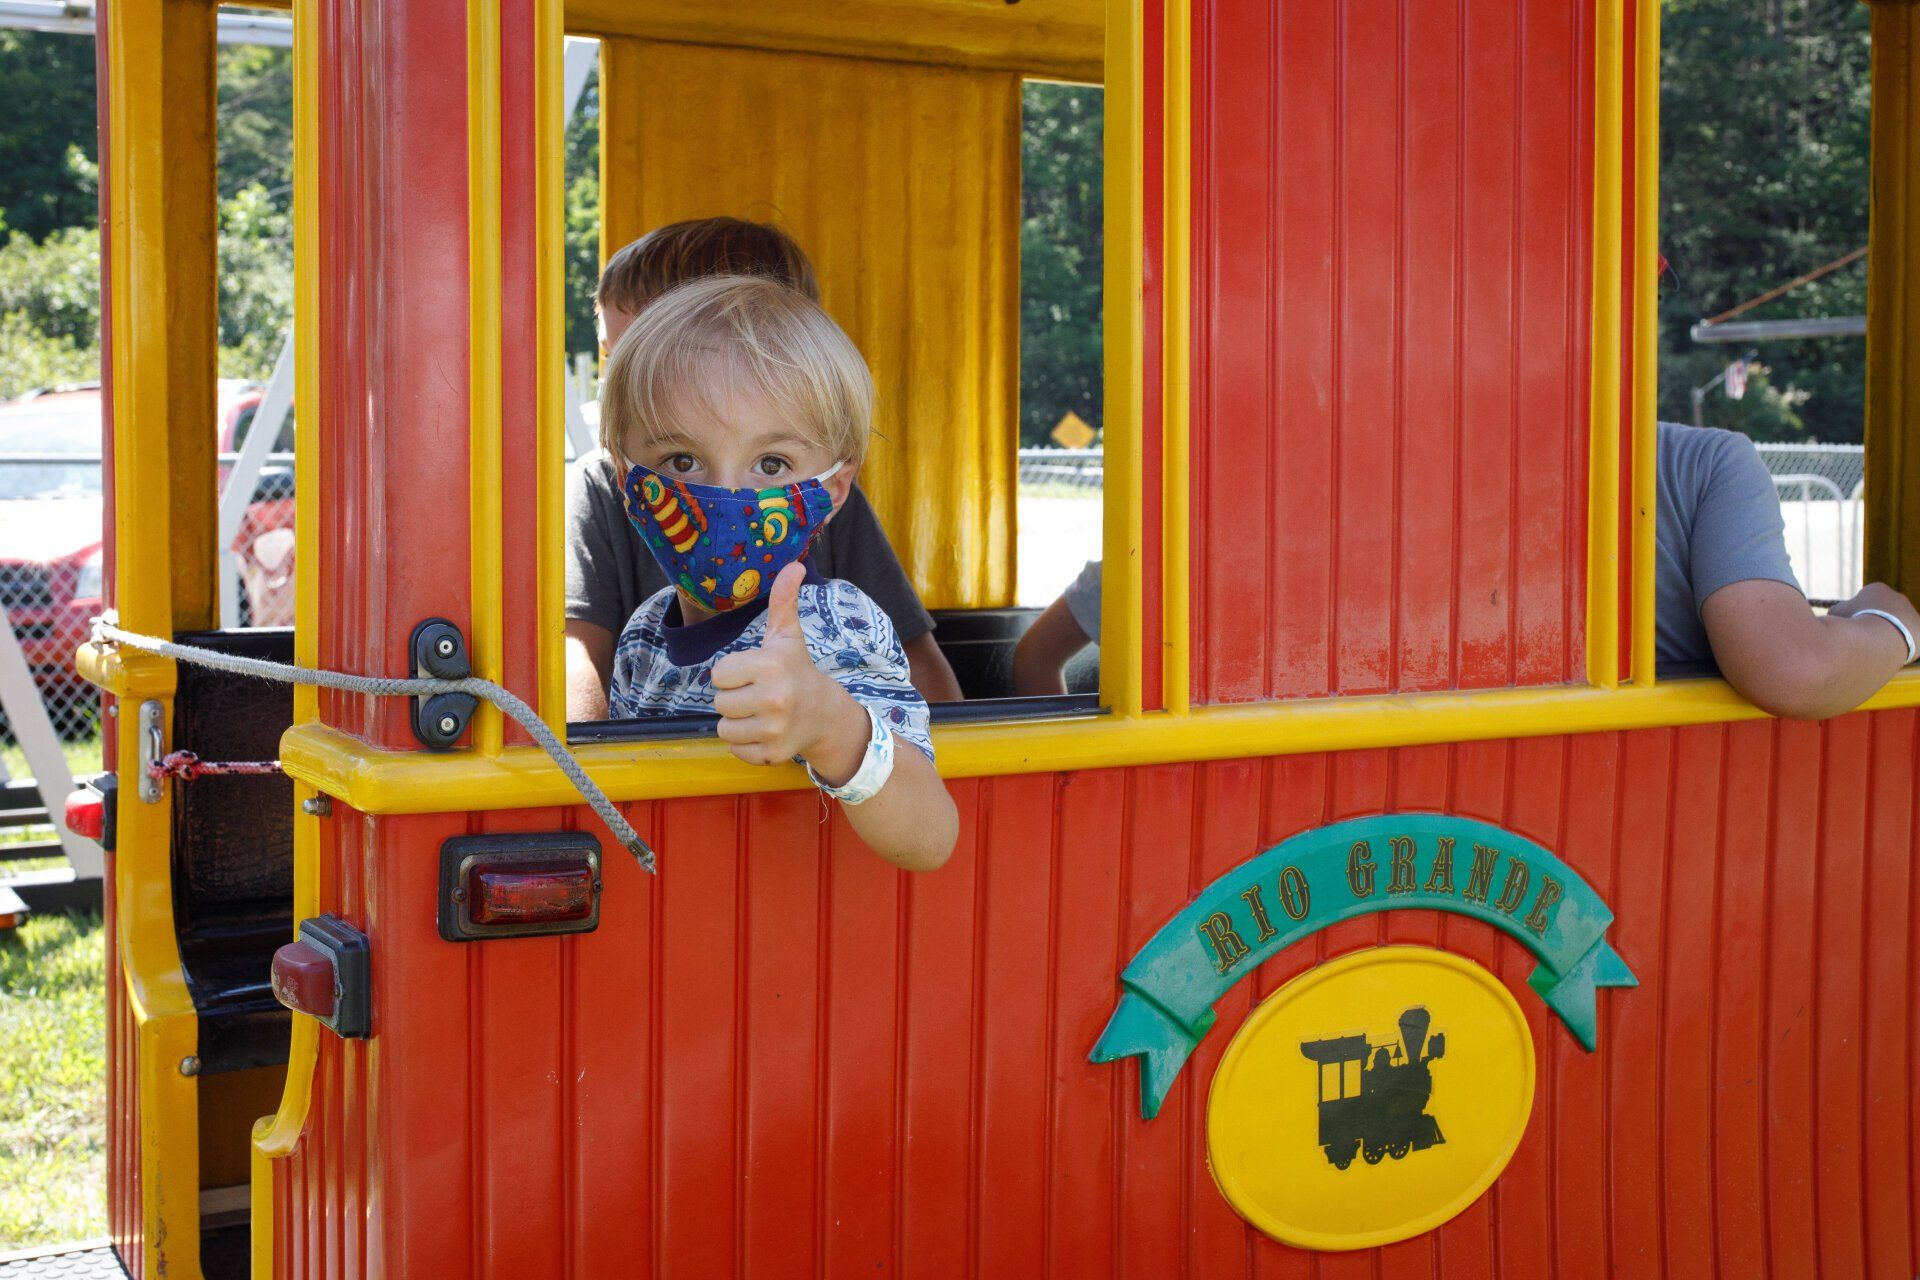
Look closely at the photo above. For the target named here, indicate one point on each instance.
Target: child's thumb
(783, 606)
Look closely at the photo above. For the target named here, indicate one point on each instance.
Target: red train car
(1378, 727)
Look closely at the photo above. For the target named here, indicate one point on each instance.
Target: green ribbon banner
(1300, 886)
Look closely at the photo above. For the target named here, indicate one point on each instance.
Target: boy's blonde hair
(682, 251)
(700, 342)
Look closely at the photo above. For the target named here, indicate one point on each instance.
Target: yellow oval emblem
(1370, 1099)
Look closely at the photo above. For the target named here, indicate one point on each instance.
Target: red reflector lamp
(519, 885)
(499, 895)
(303, 979)
(327, 973)
(87, 814)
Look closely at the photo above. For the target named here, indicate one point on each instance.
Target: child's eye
(680, 464)
(771, 465)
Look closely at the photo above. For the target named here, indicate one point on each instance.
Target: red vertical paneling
(1739, 943)
(1793, 877)
(1687, 1002)
(786, 1055)
(1149, 1196)
(1085, 954)
(1020, 871)
(1887, 949)
(1391, 288)
(1839, 997)
(778, 976)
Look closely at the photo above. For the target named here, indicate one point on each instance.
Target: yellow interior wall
(902, 182)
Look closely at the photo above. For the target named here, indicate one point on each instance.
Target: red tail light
(499, 895)
(519, 885)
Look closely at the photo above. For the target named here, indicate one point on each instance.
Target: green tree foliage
(48, 132)
(49, 309)
(581, 171)
(255, 121)
(1763, 124)
(1061, 246)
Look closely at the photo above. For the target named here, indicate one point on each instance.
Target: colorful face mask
(721, 546)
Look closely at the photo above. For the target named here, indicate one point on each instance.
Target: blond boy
(737, 413)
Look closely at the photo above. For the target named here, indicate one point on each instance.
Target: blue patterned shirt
(663, 665)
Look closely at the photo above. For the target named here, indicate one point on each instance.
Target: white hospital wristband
(875, 767)
(1913, 651)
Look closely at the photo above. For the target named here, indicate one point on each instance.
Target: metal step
(90, 1261)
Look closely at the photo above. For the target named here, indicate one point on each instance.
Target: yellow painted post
(1893, 303)
(1122, 534)
(550, 296)
(1646, 322)
(1176, 364)
(160, 214)
(484, 308)
(1603, 506)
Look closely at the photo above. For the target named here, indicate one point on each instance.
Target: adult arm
(589, 669)
(1041, 657)
(1790, 662)
(930, 671)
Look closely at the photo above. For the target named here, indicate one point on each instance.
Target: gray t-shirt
(1718, 523)
(610, 572)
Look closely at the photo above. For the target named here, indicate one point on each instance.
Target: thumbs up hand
(774, 704)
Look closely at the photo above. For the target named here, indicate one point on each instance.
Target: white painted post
(33, 730)
(244, 479)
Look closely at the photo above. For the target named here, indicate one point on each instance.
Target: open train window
(961, 247)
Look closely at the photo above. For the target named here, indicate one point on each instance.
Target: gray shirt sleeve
(1738, 533)
(602, 578)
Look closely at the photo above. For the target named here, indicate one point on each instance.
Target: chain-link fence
(1821, 488)
(1074, 468)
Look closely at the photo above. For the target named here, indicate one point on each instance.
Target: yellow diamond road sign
(1072, 432)
(1371, 1099)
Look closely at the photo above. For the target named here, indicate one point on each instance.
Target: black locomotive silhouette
(1386, 1116)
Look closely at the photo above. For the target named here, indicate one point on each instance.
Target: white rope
(398, 687)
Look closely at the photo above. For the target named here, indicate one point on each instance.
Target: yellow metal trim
(160, 188)
(376, 780)
(1059, 40)
(1121, 535)
(274, 1136)
(1176, 307)
(1603, 501)
(485, 458)
(549, 144)
(1646, 317)
(126, 673)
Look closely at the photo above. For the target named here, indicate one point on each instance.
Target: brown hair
(682, 251)
(676, 367)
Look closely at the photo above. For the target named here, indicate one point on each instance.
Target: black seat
(233, 852)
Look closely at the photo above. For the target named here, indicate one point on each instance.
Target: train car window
(980, 320)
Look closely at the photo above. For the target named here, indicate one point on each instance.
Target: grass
(83, 756)
(53, 1073)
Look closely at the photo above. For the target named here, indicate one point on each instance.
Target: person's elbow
(1794, 685)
